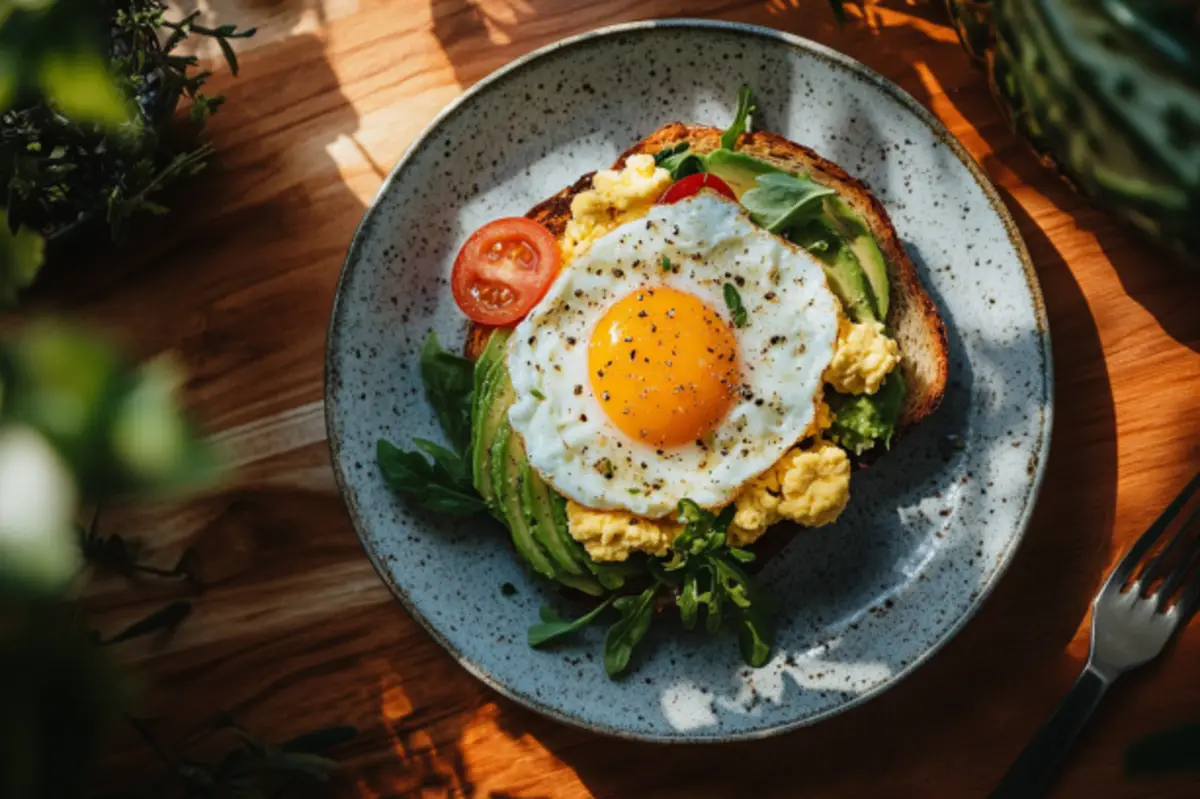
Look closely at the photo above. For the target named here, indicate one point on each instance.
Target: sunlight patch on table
(497, 761)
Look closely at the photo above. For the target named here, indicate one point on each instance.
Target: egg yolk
(664, 365)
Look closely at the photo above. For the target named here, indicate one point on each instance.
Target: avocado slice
(737, 169)
(535, 498)
(493, 351)
(858, 238)
(496, 395)
(610, 575)
(507, 455)
(842, 269)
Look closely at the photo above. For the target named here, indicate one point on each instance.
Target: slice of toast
(913, 319)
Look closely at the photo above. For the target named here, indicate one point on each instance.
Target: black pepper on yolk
(664, 365)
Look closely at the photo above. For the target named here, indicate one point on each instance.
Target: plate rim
(1041, 449)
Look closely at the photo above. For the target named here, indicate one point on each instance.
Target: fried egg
(636, 387)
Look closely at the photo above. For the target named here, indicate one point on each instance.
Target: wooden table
(293, 629)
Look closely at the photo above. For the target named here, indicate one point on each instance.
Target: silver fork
(1130, 627)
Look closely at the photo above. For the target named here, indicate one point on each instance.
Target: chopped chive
(666, 264)
(733, 301)
(537, 394)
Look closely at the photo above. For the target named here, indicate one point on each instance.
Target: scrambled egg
(614, 199)
(810, 487)
(863, 358)
(612, 535)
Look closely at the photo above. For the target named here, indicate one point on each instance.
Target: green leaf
(451, 466)
(230, 55)
(679, 160)
(636, 613)
(79, 84)
(552, 626)
(741, 555)
(449, 380)
(745, 108)
(688, 601)
(756, 636)
(443, 486)
(713, 584)
(733, 301)
(21, 257)
(780, 202)
(861, 421)
(151, 439)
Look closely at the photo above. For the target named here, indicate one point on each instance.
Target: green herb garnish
(636, 612)
(667, 266)
(449, 384)
(780, 202)
(733, 301)
(537, 394)
(679, 160)
(709, 579)
(552, 626)
(442, 483)
(745, 108)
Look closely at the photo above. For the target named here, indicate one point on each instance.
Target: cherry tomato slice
(503, 270)
(686, 187)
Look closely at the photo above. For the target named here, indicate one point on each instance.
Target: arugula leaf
(707, 576)
(861, 421)
(756, 632)
(443, 486)
(679, 160)
(636, 613)
(552, 626)
(745, 108)
(21, 256)
(449, 382)
(733, 301)
(779, 201)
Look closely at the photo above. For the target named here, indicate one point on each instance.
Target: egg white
(784, 347)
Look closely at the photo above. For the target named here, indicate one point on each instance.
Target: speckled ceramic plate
(930, 528)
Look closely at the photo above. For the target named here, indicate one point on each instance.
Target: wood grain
(293, 629)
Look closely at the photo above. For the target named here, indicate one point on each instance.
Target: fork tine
(1188, 599)
(1180, 572)
(1162, 560)
(1151, 536)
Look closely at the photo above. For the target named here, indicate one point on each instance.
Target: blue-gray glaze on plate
(930, 527)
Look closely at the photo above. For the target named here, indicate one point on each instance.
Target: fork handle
(1031, 774)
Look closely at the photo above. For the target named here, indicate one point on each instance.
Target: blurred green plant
(90, 132)
(80, 424)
